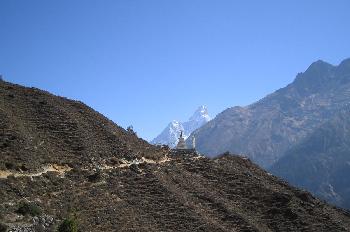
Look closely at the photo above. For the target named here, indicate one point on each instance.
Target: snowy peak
(201, 114)
(198, 119)
(175, 124)
(171, 133)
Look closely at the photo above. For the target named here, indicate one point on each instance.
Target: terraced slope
(67, 159)
(39, 129)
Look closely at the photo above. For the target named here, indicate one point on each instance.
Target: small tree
(130, 130)
(68, 225)
(28, 208)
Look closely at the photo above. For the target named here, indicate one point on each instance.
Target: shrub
(28, 208)
(130, 130)
(3, 227)
(95, 176)
(68, 225)
(9, 165)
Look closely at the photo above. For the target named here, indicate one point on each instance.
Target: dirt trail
(61, 170)
(49, 168)
(137, 161)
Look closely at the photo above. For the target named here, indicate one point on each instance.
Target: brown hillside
(67, 159)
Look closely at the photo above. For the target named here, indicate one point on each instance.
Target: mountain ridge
(276, 122)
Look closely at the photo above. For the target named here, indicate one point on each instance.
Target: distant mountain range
(265, 130)
(321, 161)
(170, 135)
(300, 132)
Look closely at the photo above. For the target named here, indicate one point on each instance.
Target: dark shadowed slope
(68, 159)
(266, 129)
(39, 128)
(321, 162)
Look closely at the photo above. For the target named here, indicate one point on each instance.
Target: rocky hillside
(62, 160)
(39, 129)
(265, 130)
(321, 162)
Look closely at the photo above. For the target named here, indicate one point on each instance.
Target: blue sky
(146, 62)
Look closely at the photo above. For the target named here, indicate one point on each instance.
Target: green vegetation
(68, 225)
(95, 176)
(130, 130)
(9, 165)
(3, 227)
(28, 208)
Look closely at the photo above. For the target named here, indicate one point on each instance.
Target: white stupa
(181, 144)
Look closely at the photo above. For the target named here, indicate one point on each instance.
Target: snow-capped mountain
(170, 135)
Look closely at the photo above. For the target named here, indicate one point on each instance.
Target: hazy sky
(145, 62)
